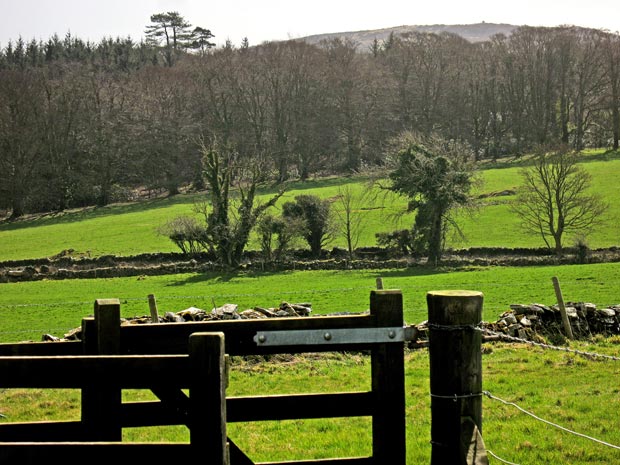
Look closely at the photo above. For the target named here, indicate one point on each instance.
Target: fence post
(388, 382)
(101, 404)
(153, 308)
(565, 321)
(455, 373)
(207, 394)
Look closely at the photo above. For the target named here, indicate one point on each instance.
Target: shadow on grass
(89, 213)
(524, 161)
(92, 212)
(324, 183)
(217, 277)
(608, 155)
(415, 271)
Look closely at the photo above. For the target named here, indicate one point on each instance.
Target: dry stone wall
(70, 265)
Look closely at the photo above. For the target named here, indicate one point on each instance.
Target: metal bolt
(327, 336)
(392, 334)
(262, 338)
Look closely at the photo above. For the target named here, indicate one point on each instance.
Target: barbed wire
(547, 422)
(551, 347)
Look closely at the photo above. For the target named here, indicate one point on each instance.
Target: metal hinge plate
(309, 337)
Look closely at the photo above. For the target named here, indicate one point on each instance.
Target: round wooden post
(455, 372)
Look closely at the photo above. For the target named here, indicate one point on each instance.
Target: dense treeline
(84, 123)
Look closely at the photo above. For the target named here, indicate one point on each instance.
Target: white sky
(261, 20)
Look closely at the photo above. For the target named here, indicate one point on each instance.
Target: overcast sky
(261, 20)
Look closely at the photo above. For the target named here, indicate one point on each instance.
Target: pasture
(30, 309)
(580, 393)
(131, 229)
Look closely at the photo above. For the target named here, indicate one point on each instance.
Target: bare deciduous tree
(350, 219)
(229, 222)
(555, 200)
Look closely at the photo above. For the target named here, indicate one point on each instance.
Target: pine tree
(170, 30)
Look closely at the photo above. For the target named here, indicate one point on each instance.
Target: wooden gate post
(455, 373)
(388, 382)
(207, 394)
(101, 404)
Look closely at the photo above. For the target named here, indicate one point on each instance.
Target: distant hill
(473, 32)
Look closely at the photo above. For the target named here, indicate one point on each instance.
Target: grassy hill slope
(131, 229)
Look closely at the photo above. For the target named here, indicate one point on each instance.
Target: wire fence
(336, 305)
(587, 354)
(342, 305)
(583, 353)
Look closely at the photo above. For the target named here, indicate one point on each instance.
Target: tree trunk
(17, 208)
(557, 237)
(615, 118)
(435, 238)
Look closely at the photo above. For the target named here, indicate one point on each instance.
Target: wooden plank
(388, 382)
(33, 453)
(41, 348)
(173, 338)
(207, 397)
(118, 372)
(287, 407)
(455, 370)
(255, 408)
(101, 402)
(43, 431)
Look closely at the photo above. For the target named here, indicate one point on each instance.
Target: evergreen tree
(172, 30)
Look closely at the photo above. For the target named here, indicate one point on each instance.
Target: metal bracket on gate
(310, 337)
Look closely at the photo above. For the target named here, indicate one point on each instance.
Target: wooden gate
(166, 358)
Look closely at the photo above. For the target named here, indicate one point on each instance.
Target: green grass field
(131, 229)
(579, 393)
(30, 309)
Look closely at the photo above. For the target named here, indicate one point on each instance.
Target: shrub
(187, 233)
(314, 214)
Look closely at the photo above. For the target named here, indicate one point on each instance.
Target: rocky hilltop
(479, 32)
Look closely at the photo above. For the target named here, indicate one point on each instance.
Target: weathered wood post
(153, 308)
(455, 376)
(101, 404)
(207, 394)
(388, 382)
(565, 321)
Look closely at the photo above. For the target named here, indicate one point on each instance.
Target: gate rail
(153, 356)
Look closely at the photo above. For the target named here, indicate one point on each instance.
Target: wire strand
(547, 422)
(499, 458)
(549, 346)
